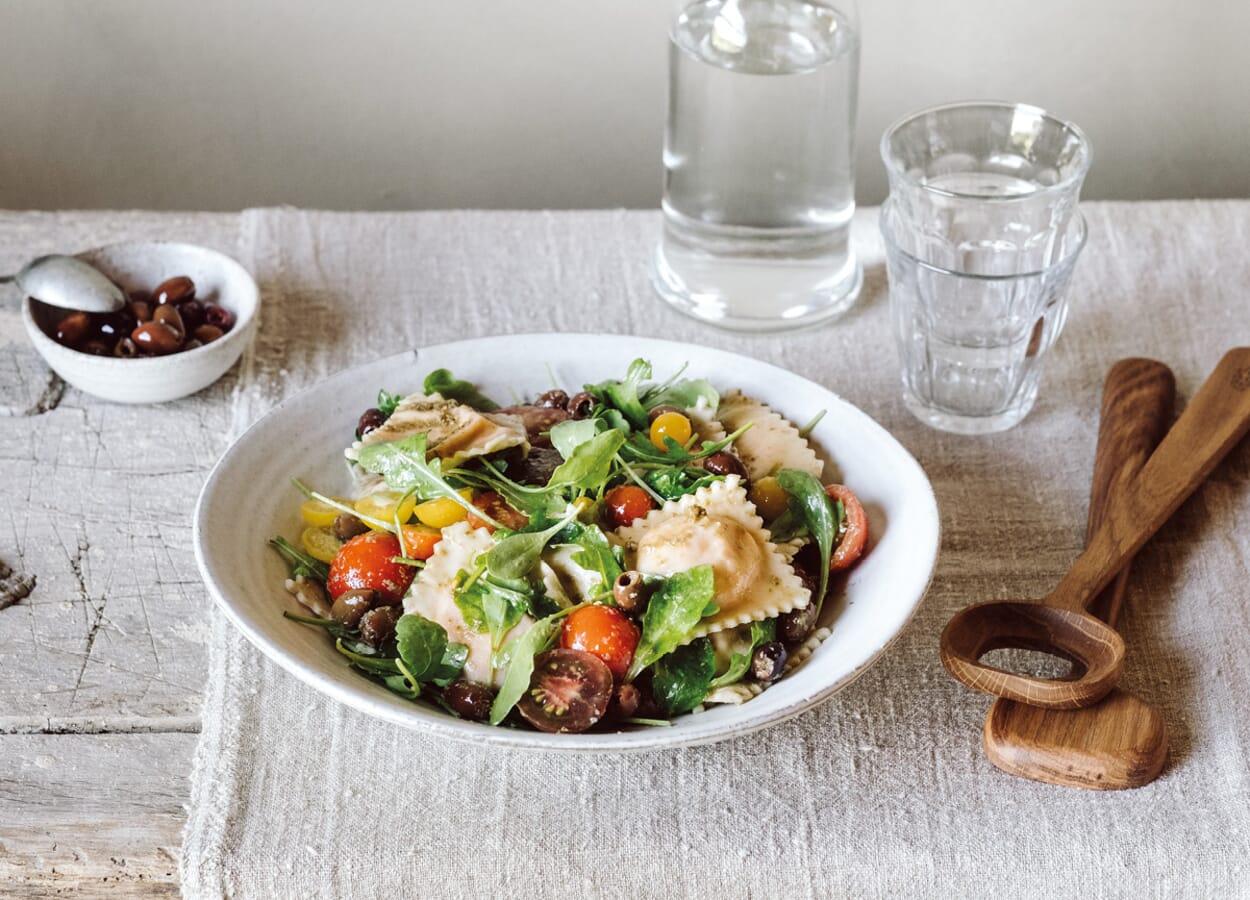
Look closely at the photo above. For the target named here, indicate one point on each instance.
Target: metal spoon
(68, 282)
(1217, 418)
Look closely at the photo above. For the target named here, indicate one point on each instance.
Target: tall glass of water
(759, 175)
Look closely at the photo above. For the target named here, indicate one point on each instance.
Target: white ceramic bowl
(142, 265)
(248, 499)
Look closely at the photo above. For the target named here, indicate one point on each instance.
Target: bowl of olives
(189, 313)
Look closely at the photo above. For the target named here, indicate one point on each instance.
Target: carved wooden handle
(1137, 401)
(1216, 419)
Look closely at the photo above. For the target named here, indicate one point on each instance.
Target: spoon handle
(1216, 419)
(1137, 401)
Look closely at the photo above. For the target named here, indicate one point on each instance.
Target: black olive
(769, 661)
(377, 626)
(469, 700)
(725, 463)
(630, 593)
(350, 606)
(581, 405)
(553, 400)
(370, 420)
(347, 526)
(625, 702)
(794, 627)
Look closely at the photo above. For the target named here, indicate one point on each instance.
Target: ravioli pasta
(771, 443)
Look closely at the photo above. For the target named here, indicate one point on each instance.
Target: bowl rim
(346, 693)
(243, 319)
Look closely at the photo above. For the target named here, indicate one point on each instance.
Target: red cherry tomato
(498, 509)
(365, 562)
(853, 535)
(627, 502)
(602, 631)
(420, 540)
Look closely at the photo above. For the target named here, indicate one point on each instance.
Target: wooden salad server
(1216, 419)
(1121, 741)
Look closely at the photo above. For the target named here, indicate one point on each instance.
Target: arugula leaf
(675, 609)
(568, 435)
(813, 504)
(404, 466)
(591, 462)
(677, 481)
(623, 395)
(452, 664)
(680, 681)
(596, 554)
(492, 606)
(684, 394)
(640, 449)
(421, 644)
(441, 381)
(516, 555)
(761, 633)
(518, 656)
(388, 402)
(299, 561)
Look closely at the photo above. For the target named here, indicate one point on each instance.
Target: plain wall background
(381, 104)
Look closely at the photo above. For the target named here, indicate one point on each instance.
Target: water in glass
(758, 164)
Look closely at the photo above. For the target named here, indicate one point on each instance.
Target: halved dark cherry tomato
(603, 631)
(365, 562)
(853, 536)
(498, 509)
(569, 691)
(627, 502)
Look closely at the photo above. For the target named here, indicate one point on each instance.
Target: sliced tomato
(498, 509)
(627, 502)
(603, 631)
(365, 562)
(853, 535)
(569, 691)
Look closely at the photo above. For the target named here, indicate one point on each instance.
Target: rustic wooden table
(101, 666)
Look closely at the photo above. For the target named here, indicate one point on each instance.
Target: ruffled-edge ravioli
(718, 525)
(771, 443)
(742, 691)
(454, 431)
(433, 595)
(705, 424)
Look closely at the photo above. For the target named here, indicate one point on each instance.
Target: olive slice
(569, 691)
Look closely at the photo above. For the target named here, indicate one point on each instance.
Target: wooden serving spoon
(1121, 741)
(1217, 418)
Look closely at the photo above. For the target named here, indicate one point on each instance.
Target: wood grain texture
(1213, 423)
(101, 665)
(1120, 742)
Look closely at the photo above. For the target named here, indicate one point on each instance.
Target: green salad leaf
(518, 554)
(492, 605)
(684, 394)
(812, 504)
(388, 402)
(570, 434)
(675, 609)
(761, 633)
(595, 554)
(680, 681)
(623, 395)
(590, 464)
(518, 656)
(442, 382)
(677, 481)
(300, 562)
(421, 645)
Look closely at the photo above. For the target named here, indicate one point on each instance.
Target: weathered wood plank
(95, 504)
(92, 815)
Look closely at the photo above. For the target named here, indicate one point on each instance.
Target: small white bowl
(142, 265)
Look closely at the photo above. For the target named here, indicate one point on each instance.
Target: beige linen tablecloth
(883, 790)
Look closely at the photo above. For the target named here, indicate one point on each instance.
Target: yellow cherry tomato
(769, 497)
(321, 515)
(673, 425)
(443, 511)
(320, 543)
(381, 505)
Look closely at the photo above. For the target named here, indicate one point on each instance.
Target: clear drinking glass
(982, 234)
(759, 179)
